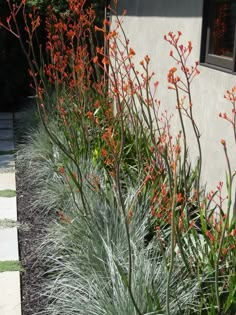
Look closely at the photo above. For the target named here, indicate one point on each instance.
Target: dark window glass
(218, 48)
(222, 28)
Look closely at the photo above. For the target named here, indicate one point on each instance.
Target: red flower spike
(104, 152)
(233, 233)
(61, 170)
(95, 59)
(156, 84)
(105, 60)
(147, 59)
(131, 52)
(106, 22)
(222, 141)
(210, 236)
(90, 115)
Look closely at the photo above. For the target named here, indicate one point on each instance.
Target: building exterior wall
(145, 25)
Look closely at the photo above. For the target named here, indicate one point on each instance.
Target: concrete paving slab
(8, 208)
(6, 145)
(6, 124)
(6, 134)
(10, 300)
(8, 244)
(9, 169)
(7, 181)
(7, 162)
(10, 292)
(6, 115)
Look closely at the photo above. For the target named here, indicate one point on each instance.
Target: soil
(32, 229)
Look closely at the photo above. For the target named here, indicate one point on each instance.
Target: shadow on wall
(170, 8)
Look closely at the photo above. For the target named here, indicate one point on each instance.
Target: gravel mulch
(31, 230)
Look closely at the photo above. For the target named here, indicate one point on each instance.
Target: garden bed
(107, 162)
(32, 229)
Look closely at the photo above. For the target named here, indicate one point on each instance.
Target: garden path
(10, 297)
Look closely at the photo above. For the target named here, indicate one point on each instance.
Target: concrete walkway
(10, 297)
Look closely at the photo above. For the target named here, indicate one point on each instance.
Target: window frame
(213, 61)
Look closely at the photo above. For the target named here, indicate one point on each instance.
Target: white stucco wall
(146, 34)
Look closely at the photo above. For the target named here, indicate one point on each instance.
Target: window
(218, 34)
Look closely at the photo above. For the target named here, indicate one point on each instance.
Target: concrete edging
(10, 291)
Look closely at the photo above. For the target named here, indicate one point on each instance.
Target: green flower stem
(184, 140)
(129, 246)
(229, 188)
(173, 242)
(55, 140)
(117, 159)
(182, 252)
(194, 125)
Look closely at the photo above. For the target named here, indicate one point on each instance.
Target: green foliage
(7, 193)
(59, 6)
(7, 223)
(7, 152)
(10, 265)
